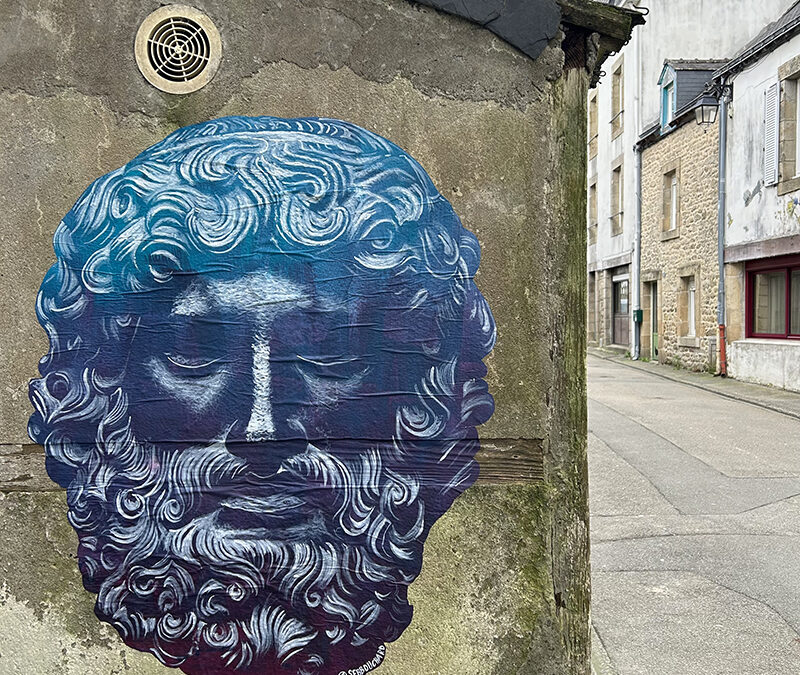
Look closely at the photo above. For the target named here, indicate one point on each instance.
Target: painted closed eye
(342, 369)
(191, 366)
(331, 361)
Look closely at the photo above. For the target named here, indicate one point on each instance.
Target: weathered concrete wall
(770, 362)
(505, 581)
(689, 249)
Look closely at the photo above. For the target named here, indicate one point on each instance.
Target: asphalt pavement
(695, 505)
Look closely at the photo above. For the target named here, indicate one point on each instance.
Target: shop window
(773, 299)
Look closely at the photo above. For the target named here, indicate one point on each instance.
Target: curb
(743, 398)
(601, 661)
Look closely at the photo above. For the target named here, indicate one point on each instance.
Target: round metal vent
(178, 49)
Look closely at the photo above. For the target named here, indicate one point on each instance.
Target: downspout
(637, 253)
(721, 211)
(637, 215)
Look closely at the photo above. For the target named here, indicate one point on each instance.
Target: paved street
(695, 503)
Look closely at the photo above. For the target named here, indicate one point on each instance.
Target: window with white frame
(796, 99)
(593, 213)
(617, 199)
(784, 97)
(671, 208)
(668, 104)
(687, 307)
(691, 308)
(593, 125)
(617, 98)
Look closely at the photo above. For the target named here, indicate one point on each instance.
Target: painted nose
(261, 425)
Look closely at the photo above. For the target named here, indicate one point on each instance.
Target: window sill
(666, 235)
(693, 342)
(787, 186)
(771, 341)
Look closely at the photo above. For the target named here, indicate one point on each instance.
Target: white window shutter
(771, 140)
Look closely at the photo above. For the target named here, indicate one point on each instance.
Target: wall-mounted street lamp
(706, 112)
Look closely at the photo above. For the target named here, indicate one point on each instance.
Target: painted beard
(215, 569)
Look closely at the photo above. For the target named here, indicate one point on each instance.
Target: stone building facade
(622, 107)
(679, 245)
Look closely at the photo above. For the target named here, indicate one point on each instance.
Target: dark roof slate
(529, 25)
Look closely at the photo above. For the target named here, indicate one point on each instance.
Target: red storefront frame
(786, 264)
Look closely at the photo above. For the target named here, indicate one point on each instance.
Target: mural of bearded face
(264, 378)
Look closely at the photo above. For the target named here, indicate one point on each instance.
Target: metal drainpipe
(637, 253)
(637, 237)
(721, 211)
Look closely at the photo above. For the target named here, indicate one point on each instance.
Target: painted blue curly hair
(220, 196)
(235, 187)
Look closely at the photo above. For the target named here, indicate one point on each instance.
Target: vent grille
(178, 49)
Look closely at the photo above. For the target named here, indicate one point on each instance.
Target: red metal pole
(723, 358)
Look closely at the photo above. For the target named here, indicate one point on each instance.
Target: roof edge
(652, 134)
(615, 23)
(610, 26)
(530, 25)
(754, 53)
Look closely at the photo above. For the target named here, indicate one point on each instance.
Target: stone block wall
(670, 257)
(734, 301)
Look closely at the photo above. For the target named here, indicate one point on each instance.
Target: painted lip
(273, 516)
(272, 505)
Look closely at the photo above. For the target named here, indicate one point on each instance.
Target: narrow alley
(695, 506)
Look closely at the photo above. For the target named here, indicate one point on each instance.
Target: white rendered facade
(762, 236)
